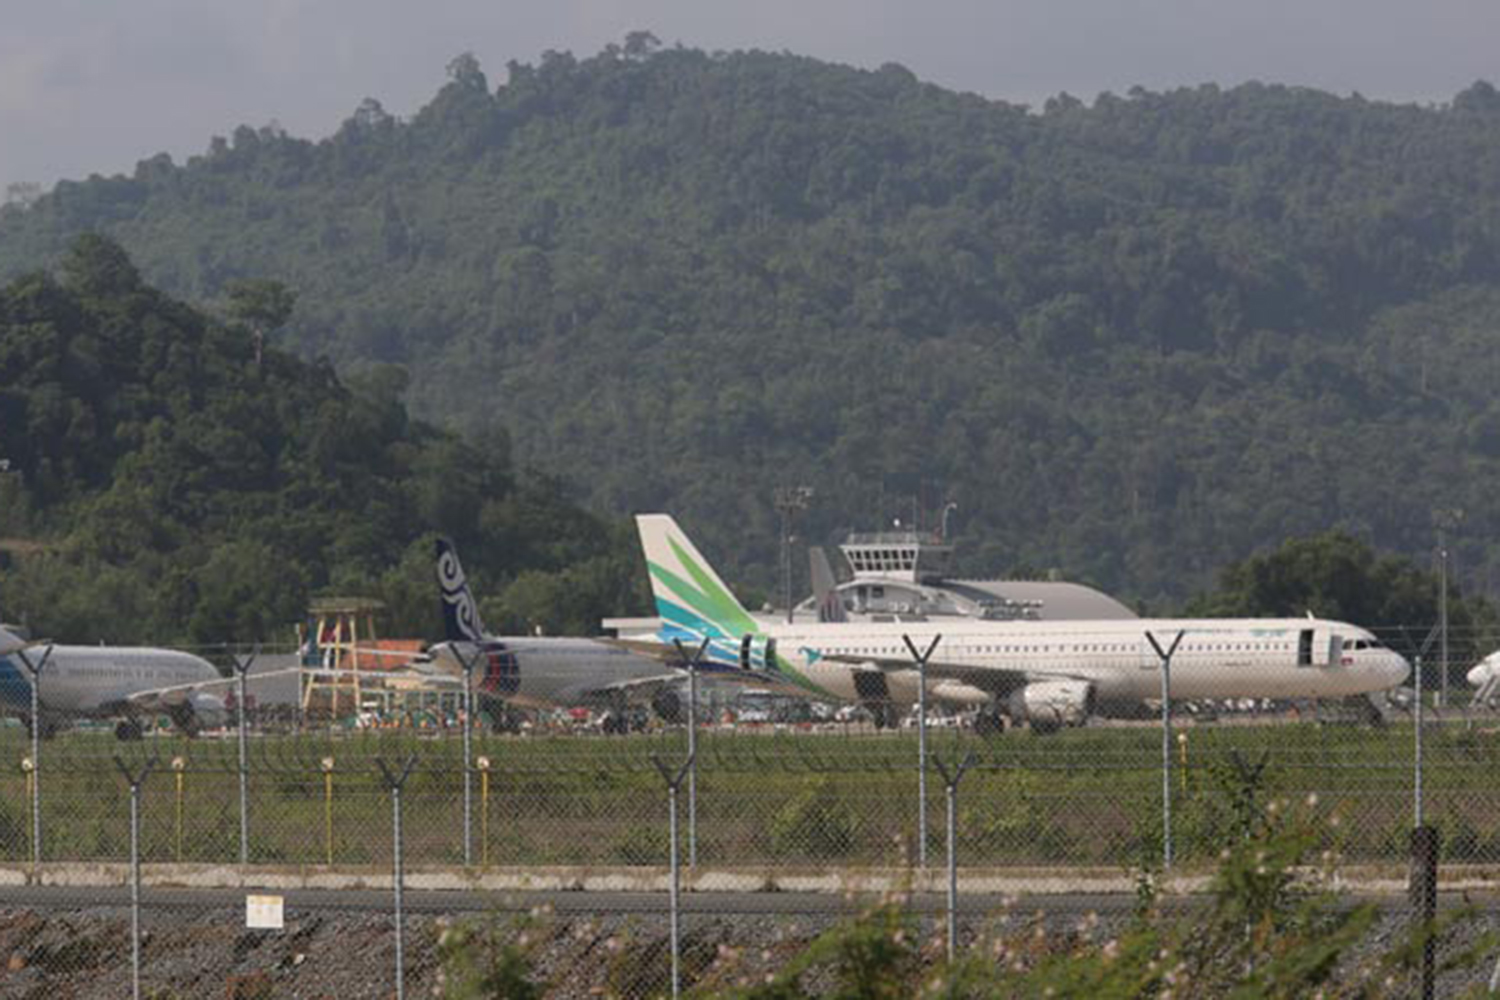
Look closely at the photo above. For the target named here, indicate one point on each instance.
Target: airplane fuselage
(96, 680)
(1217, 658)
(553, 672)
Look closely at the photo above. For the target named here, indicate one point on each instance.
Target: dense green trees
(1135, 339)
(169, 481)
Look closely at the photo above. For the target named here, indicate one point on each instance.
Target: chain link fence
(831, 815)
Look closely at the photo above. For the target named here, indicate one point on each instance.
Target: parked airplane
(108, 681)
(1049, 674)
(1484, 677)
(551, 672)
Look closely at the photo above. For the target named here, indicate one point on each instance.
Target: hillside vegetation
(1134, 339)
(162, 484)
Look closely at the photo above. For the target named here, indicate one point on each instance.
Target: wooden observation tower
(338, 651)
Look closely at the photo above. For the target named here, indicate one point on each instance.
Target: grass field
(1082, 797)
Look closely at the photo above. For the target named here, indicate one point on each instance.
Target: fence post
(35, 670)
(179, 765)
(1166, 744)
(1417, 717)
(674, 781)
(242, 671)
(1422, 892)
(469, 664)
(327, 765)
(483, 763)
(135, 780)
(394, 780)
(690, 663)
(950, 782)
(921, 661)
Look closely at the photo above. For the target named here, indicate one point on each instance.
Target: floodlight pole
(1443, 613)
(35, 670)
(788, 500)
(1166, 743)
(921, 660)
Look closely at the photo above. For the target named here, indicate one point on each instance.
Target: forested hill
(161, 483)
(1133, 339)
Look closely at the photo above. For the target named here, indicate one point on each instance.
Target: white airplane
(553, 672)
(106, 682)
(1484, 677)
(1049, 674)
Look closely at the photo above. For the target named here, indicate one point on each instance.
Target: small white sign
(264, 912)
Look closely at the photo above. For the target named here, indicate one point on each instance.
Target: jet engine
(1050, 705)
(194, 713)
(669, 706)
(208, 709)
(757, 652)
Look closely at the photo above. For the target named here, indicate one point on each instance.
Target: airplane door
(1304, 647)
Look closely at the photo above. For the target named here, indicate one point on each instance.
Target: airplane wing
(637, 691)
(152, 699)
(995, 680)
(668, 655)
(648, 648)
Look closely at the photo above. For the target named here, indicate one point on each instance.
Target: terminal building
(903, 576)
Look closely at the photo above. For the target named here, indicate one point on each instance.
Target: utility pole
(1444, 520)
(1443, 613)
(789, 500)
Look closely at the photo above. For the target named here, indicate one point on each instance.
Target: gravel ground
(342, 954)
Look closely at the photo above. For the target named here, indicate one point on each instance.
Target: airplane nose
(1479, 675)
(1397, 670)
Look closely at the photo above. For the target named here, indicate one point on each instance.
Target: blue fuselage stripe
(15, 687)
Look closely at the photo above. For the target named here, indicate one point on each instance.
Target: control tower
(903, 576)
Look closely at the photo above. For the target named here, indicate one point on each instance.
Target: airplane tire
(1045, 727)
(669, 708)
(988, 724)
(128, 731)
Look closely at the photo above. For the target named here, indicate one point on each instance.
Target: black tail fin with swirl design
(460, 612)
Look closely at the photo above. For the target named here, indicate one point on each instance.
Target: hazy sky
(92, 86)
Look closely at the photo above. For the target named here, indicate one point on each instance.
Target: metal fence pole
(394, 780)
(1166, 744)
(35, 670)
(242, 671)
(1419, 720)
(1426, 844)
(921, 660)
(135, 780)
(674, 781)
(691, 663)
(950, 783)
(468, 665)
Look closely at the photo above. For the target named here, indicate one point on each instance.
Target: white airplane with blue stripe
(124, 682)
(1048, 674)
